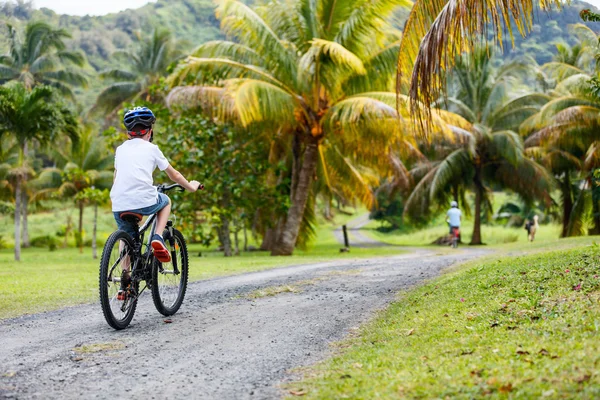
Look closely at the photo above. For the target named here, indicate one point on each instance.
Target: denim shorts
(163, 201)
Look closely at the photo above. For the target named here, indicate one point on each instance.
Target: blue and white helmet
(453, 204)
(139, 116)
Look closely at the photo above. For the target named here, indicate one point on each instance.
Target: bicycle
(166, 281)
(455, 236)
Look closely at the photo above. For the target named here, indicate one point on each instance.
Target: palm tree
(40, 57)
(320, 72)
(563, 134)
(491, 152)
(437, 31)
(146, 66)
(84, 165)
(30, 116)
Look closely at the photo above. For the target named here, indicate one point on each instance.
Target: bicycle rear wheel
(169, 280)
(115, 257)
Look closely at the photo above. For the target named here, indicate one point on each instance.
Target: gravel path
(221, 345)
(355, 236)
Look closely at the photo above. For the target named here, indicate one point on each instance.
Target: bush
(3, 244)
(48, 241)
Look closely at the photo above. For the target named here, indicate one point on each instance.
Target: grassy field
(505, 327)
(46, 280)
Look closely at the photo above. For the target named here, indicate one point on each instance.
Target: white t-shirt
(135, 160)
(454, 215)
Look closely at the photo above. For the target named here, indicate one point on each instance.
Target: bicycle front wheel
(118, 308)
(169, 280)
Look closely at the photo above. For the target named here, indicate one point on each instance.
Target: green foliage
(49, 241)
(92, 195)
(37, 114)
(99, 37)
(389, 207)
(6, 207)
(40, 57)
(228, 161)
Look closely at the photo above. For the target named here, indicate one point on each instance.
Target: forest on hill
(193, 22)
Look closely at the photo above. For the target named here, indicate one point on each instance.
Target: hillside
(194, 22)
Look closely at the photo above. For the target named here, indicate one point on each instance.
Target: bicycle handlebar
(165, 188)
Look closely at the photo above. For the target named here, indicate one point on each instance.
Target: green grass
(46, 280)
(517, 327)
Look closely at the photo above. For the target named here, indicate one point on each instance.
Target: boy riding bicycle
(133, 191)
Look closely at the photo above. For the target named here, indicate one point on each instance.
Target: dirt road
(221, 345)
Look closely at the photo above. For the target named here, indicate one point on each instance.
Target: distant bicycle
(127, 263)
(455, 236)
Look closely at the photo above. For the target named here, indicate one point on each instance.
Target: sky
(593, 2)
(101, 7)
(97, 7)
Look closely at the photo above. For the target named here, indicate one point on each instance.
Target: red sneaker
(161, 252)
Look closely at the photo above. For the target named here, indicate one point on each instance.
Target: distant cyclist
(454, 217)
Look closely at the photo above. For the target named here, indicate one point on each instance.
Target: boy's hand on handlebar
(196, 185)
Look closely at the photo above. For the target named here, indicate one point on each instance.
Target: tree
(31, 116)
(319, 72)
(563, 134)
(437, 31)
(147, 65)
(82, 165)
(41, 58)
(492, 151)
(229, 163)
(95, 197)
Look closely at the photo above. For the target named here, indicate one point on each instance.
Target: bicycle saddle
(131, 217)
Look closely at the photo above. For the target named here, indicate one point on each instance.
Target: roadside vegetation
(523, 327)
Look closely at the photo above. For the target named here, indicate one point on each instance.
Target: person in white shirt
(133, 189)
(454, 216)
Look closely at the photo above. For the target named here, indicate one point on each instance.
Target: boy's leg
(161, 252)
(162, 218)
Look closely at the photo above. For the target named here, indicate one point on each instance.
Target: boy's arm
(176, 177)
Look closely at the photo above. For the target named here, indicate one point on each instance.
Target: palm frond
(214, 101)
(258, 101)
(240, 21)
(117, 93)
(508, 145)
(439, 30)
(560, 70)
(452, 168)
(230, 50)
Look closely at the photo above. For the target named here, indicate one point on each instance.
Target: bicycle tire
(167, 296)
(108, 287)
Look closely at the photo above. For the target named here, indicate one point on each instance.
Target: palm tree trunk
(476, 238)
(81, 227)
(94, 245)
(24, 215)
(595, 230)
(299, 196)
(567, 198)
(18, 199)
